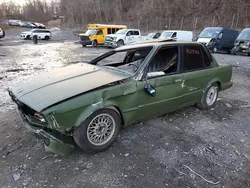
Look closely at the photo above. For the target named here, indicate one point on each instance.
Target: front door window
(164, 77)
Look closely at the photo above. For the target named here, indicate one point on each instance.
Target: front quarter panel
(71, 113)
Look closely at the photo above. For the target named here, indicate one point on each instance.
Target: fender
(215, 80)
(89, 110)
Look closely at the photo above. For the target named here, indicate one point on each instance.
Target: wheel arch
(121, 41)
(87, 112)
(215, 80)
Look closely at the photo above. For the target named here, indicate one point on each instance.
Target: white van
(179, 35)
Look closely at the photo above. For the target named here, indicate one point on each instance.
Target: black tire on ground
(47, 38)
(233, 52)
(120, 43)
(248, 53)
(27, 37)
(82, 136)
(83, 45)
(94, 43)
(229, 51)
(204, 102)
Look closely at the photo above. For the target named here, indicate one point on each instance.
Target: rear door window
(193, 59)
(136, 33)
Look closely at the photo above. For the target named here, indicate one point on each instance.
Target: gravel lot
(186, 148)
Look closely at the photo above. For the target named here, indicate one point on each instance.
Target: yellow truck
(96, 33)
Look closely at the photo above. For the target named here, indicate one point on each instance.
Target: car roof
(155, 42)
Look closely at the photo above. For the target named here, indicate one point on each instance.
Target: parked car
(39, 25)
(2, 33)
(124, 86)
(218, 38)
(14, 22)
(242, 43)
(123, 37)
(153, 35)
(96, 33)
(27, 24)
(178, 35)
(40, 33)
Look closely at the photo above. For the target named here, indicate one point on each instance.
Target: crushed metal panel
(47, 93)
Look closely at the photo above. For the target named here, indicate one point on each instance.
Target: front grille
(83, 38)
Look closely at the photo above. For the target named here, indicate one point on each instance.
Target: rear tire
(98, 131)
(248, 53)
(233, 52)
(209, 97)
(83, 45)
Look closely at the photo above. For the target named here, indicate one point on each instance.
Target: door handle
(178, 80)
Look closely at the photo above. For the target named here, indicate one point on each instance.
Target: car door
(128, 37)
(166, 84)
(136, 36)
(35, 33)
(197, 72)
(100, 37)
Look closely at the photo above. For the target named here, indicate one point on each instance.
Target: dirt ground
(186, 148)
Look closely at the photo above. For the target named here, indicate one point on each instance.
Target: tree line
(143, 14)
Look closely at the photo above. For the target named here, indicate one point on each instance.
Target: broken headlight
(39, 117)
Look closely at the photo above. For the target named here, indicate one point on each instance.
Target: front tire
(209, 97)
(94, 43)
(120, 43)
(47, 38)
(98, 131)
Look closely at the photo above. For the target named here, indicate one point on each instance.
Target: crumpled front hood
(55, 86)
(204, 40)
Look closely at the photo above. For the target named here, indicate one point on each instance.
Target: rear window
(206, 59)
(193, 59)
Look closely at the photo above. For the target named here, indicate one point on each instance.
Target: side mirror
(150, 90)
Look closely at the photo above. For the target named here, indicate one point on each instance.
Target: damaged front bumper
(110, 44)
(54, 141)
(241, 47)
(51, 141)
